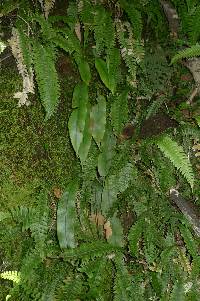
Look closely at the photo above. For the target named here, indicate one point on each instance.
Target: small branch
(188, 209)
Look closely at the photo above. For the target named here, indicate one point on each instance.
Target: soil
(156, 125)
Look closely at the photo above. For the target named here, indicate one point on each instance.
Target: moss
(34, 153)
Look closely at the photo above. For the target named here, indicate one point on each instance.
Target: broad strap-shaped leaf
(80, 96)
(86, 141)
(66, 216)
(75, 131)
(98, 119)
(107, 153)
(116, 239)
(101, 67)
(47, 78)
(176, 154)
(119, 111)
(84, 70)
(78, 124)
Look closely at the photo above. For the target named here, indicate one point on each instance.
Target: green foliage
(66, 217)
(102, 228)
(187, 53)
(11, 275)
(119, 112)
(98, 119)
(44, 62)
(177, 156)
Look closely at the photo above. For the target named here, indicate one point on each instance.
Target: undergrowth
(96, 132)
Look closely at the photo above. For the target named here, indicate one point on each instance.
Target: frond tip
(176, 154)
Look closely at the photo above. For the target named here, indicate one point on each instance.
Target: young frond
(11, 275)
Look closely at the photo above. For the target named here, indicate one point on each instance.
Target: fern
(154, 107)
(11, 275)
(90, 250)
(175, 153)
(122, 287)
(134, 16)
(116, 184)
(134, 236)
(24, 215)
(46, 75)
(119, 111)
(131, 49)
(187, 53)
(104, 32)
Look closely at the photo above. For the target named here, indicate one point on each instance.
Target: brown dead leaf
(97, 219)
(108, 229)
(78, 31)
(57, 192)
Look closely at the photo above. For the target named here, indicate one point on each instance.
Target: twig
(188, 209)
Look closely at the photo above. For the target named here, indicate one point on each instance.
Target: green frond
(99, 273)
(116, 184)
(46, 27)
(23, 215)
(40, 224)
(11, 275)
(47, 78)
(176, 155)
(123, 291)
(119, 112)
(66, 40)
(134, 16)
(90, 250)
(189, 241)
(134, 236)
(187, 53)
(104, 31)
(194, 24)
(4, 215)
(154, 107)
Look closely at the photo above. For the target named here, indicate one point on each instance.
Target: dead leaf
(78, 30)
(108, 230)
(57, 192)
(97, 219)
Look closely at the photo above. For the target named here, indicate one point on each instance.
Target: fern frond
(187, 53)
(134, 236)
(193, 28)
(116, 184)
(119, 111)
(90, 250)
(132, 50)
(24, 215)
(104, 31)
(39, 226)
(176, 154)
(11, 275)
(154, 107)
(134, 17)
(122, 287)
(47, 78)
